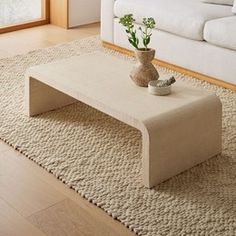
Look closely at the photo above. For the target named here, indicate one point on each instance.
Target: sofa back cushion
(220, 2)
(185, 18)
(234, 7)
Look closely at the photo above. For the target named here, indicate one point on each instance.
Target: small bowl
(160, 91)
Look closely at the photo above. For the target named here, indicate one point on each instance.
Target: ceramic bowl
(160, 91)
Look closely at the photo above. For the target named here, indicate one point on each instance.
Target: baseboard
(175, 68)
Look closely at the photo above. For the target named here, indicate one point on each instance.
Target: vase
(144, 71)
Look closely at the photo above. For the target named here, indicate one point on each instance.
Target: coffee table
(178, 131)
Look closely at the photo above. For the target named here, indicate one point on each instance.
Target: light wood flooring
(22, 41)
(32, 201)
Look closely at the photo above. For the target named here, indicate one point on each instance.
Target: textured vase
(144, 71)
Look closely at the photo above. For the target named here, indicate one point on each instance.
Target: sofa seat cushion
(185, 18)
(221, 32)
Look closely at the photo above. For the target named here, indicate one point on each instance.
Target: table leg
(177, 141)
(40, 98)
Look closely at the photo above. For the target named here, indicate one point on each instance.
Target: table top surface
(102, 81)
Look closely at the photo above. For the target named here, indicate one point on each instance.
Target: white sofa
(191, 34)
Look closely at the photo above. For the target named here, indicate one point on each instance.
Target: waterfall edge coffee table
(179, 131)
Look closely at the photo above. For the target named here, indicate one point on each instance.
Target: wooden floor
(32, 201)
(22, 41)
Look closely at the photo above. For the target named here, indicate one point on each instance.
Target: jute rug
(100, 157)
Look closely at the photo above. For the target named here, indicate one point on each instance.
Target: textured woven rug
(100, 157)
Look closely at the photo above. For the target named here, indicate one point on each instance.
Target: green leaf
(144, 41)
(131, 41)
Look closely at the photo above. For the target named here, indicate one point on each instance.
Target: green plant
(146, 32)
(128, 22)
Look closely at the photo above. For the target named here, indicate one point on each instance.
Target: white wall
(83, 12)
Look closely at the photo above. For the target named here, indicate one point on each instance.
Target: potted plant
(144, 71)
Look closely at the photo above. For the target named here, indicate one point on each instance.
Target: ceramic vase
(144, 71)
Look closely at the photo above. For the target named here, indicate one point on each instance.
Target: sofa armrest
(107, 20)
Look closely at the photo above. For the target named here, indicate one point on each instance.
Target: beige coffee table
(178, 131)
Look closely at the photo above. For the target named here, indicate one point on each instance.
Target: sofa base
(175, 67)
